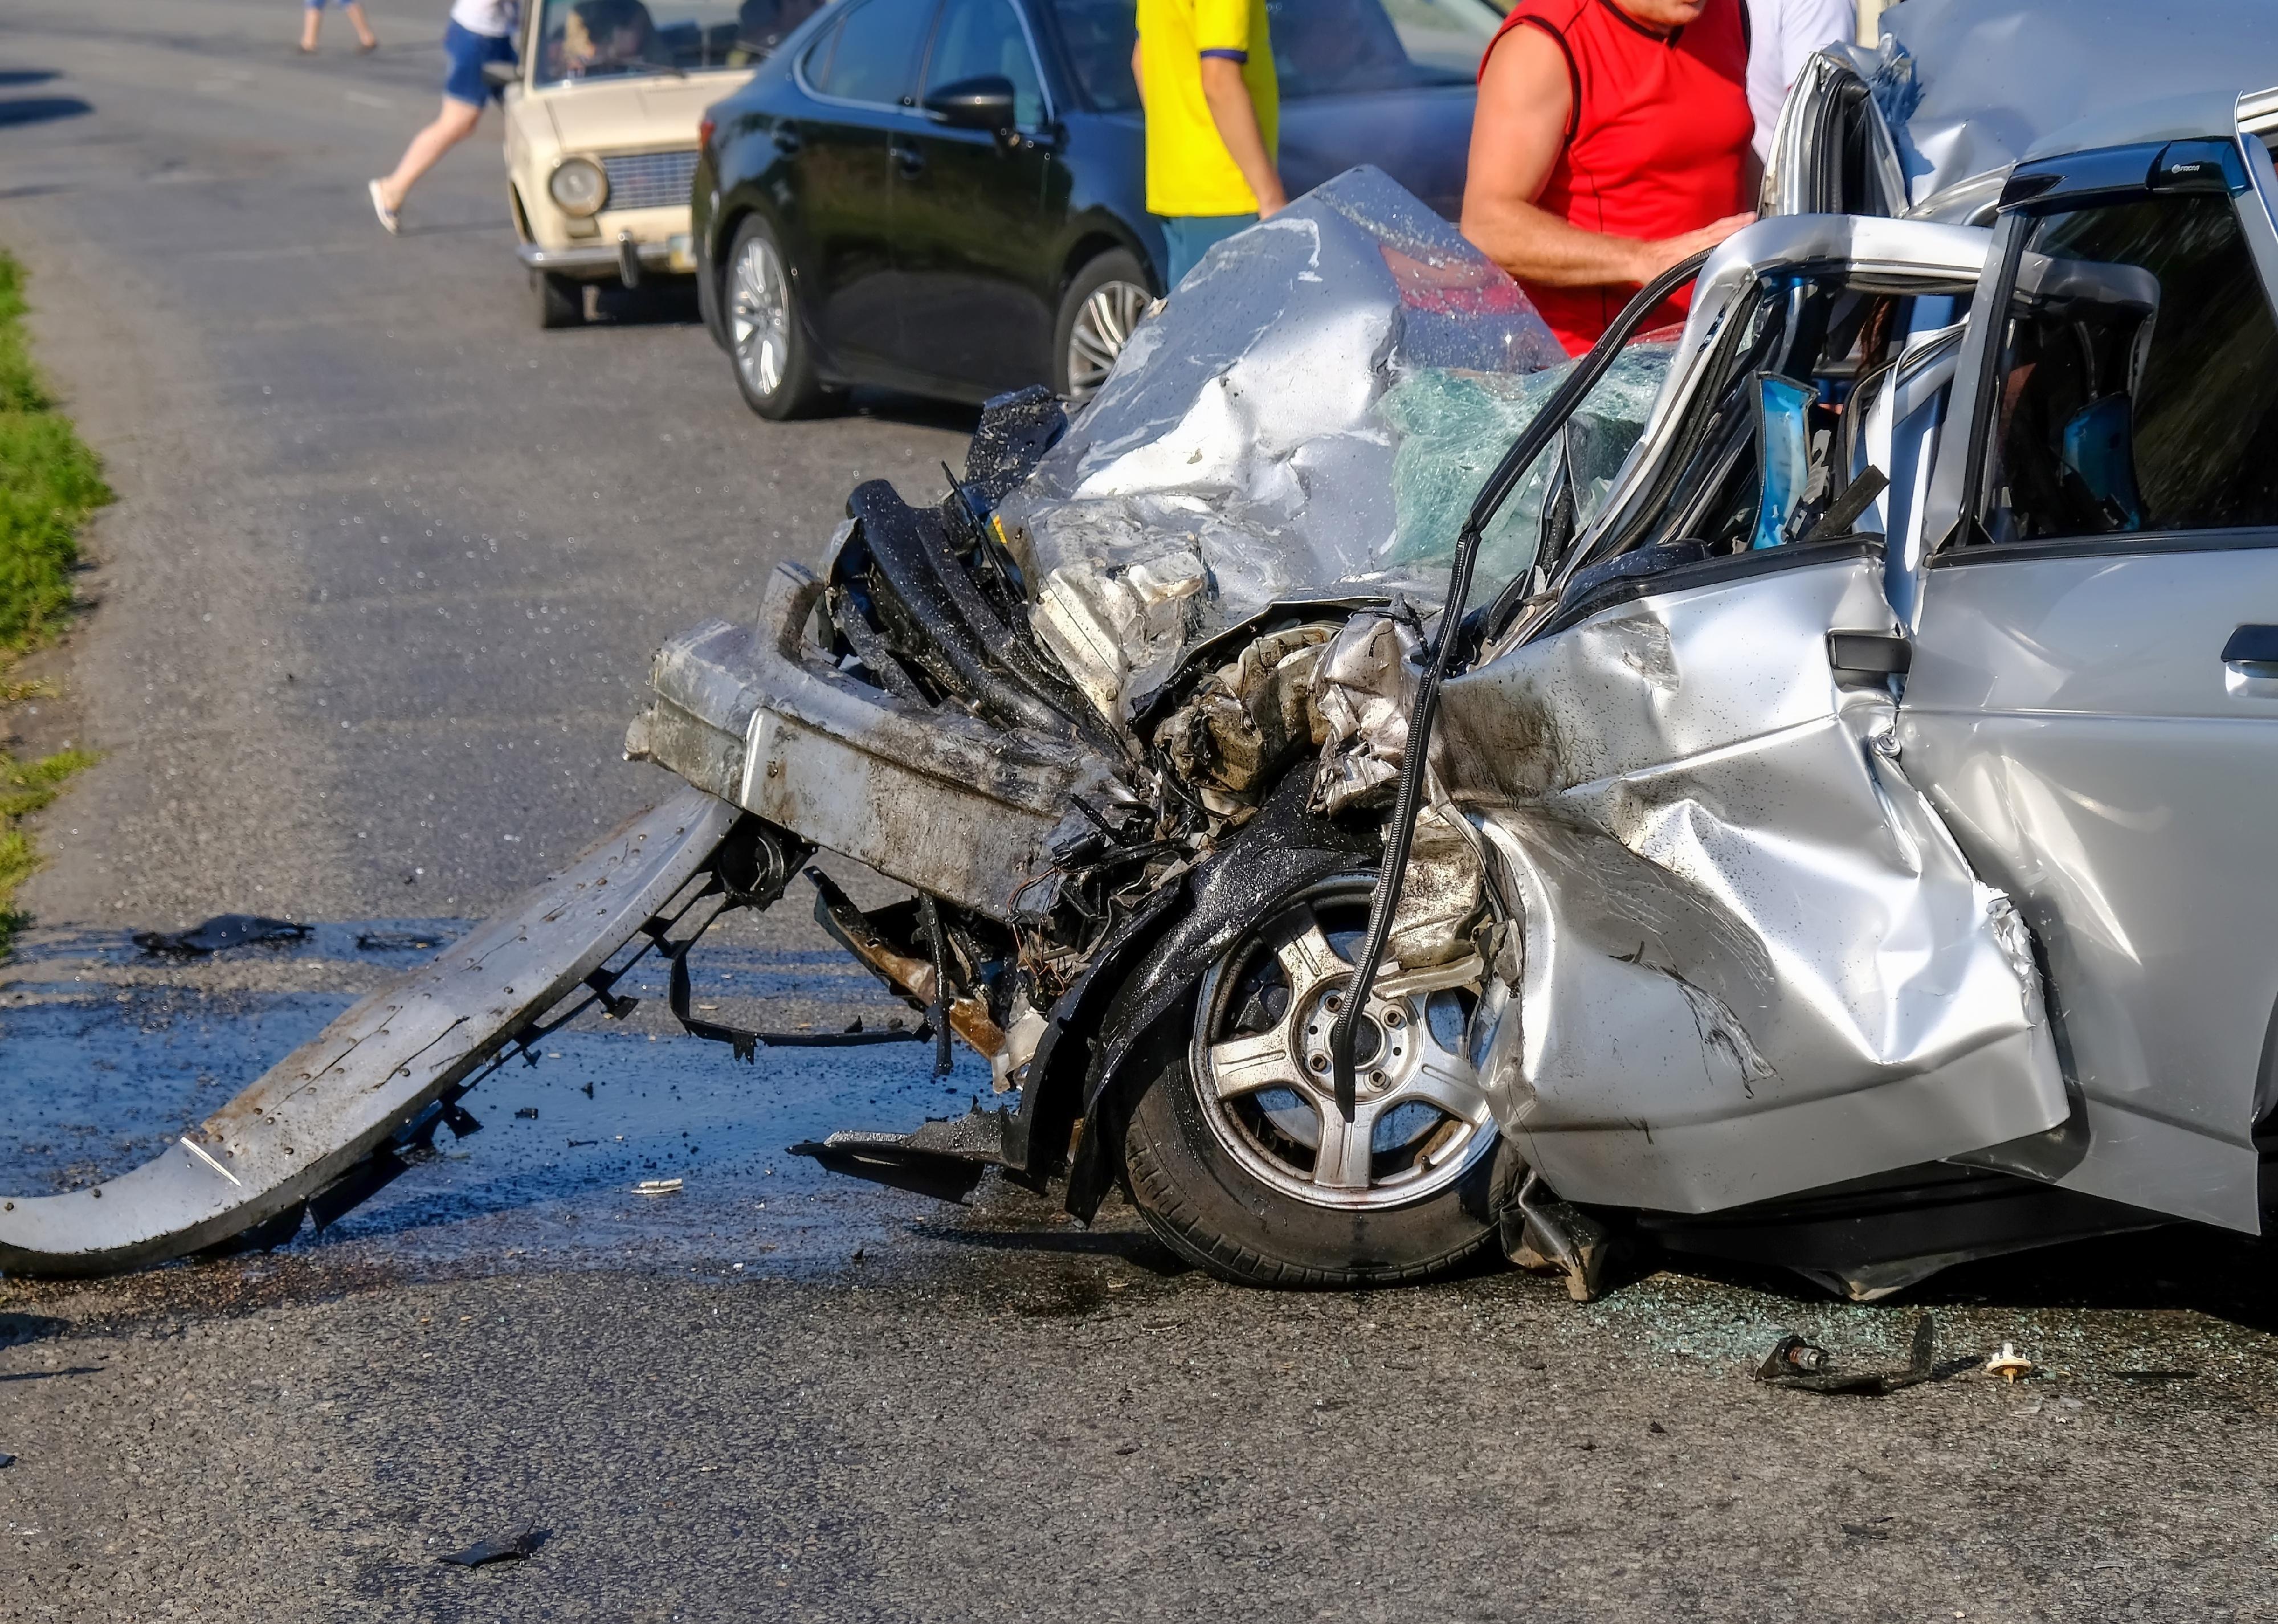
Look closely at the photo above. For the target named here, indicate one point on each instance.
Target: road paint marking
(364, 99)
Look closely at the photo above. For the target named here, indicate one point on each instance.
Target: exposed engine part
(1245, 721)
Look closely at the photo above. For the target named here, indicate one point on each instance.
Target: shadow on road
(41, 109)
(12, 77)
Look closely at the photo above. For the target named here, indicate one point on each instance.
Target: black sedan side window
(876, 55)
(983, 39)
(2138, 381)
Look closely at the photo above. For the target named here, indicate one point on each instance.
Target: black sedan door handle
(2252, 651)
(909, 160)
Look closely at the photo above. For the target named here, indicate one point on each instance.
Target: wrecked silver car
(1785, 790)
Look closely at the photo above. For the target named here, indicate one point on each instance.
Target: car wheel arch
(1097, 237)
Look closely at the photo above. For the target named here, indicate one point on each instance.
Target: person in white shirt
(1784, 35)
(480, 32)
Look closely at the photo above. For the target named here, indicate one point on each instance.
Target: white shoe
(389, 220)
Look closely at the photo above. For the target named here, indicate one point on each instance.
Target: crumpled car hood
(1294, 423)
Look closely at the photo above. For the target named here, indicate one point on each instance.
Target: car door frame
(1035, 149)
(2189, 1146)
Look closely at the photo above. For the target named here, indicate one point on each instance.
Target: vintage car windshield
(1320, 47)
(596, 39)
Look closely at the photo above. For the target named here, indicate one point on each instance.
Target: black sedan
(949, 197)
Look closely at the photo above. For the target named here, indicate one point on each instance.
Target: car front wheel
(766, 343)
(560, 300)
(1102, 305)
(1238, 1156)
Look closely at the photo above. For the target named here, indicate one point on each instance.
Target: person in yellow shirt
(1205, 73)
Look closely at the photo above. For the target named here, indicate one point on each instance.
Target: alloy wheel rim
(759, 316)
(1103, 326)
(1259, 1066)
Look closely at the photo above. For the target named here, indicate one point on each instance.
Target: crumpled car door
(1751, 960)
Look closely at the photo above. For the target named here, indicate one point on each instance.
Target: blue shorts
(466, 51)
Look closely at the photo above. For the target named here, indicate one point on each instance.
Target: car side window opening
(874, 57)
(983, 39)
(2137, 385)
(1772, 455)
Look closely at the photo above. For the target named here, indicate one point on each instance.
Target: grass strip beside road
(49, 485)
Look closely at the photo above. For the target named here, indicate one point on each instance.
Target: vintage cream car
(601, 113)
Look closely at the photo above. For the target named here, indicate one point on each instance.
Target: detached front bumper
(623, 257)
(936, 798)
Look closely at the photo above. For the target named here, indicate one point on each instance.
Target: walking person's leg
(312, 14)
(453, 125)
(366, 40)
(465, 93)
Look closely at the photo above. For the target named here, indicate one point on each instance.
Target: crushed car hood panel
(1238, 457)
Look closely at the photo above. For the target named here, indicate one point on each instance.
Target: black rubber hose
(1400, 833)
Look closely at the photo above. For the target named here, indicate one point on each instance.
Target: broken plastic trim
(1400, 833)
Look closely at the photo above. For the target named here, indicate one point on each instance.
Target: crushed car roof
(1991, 83)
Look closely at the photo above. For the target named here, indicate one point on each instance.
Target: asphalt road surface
(372, 612)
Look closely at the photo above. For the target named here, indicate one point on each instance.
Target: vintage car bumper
(598, 260)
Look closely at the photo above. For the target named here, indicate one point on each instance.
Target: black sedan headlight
(579, 187)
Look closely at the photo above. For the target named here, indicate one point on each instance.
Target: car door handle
(2250, 662)
(787, 139)
(909, 160)
(1869, 653)
(2253, 645)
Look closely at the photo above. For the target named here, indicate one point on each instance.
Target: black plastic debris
(528, 1114)
(508, 1548)
(7, 1459)
(398, 941)
(1804, 1364)
(221, 933)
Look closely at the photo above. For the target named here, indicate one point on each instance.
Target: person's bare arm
(1237, 126)
(1525, 99)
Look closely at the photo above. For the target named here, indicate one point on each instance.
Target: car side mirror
(501, 75)
(983, 103)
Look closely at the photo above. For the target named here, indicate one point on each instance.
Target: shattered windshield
(1320, 47)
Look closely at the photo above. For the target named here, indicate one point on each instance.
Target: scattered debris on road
(1802, 1364)
(510, 1548)
(221, 933)
(2009, 1365)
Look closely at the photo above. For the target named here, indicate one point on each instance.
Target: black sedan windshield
(1320, 47)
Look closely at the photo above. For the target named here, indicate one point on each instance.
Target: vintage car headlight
(578, 185)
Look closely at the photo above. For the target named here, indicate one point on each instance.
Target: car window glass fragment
(2137, 387)
(597, 39)
(983, 39)
(876, 54)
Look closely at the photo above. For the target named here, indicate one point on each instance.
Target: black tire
(1120, 282)
(784, 384)
(1217, 1212)
(1208, 1210)
(559, 299)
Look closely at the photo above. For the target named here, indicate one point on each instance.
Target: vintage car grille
(649, 180)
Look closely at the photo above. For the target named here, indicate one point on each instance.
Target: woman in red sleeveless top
(1611, 139)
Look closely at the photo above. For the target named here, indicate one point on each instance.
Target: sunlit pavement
(374, 609)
